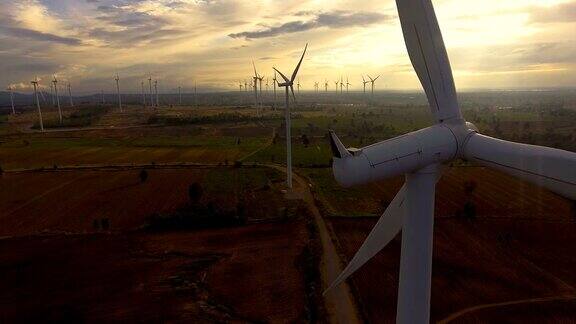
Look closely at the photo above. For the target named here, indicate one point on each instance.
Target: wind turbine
(245, 86)
(336, 83)
(260, 78)
(70, 94)
(274, 81)
(372, 81)
(12, 99)
(298, 85)
(117, 78)
(325, 85)
(55, 82)
(288, 83)
(240, 86)
(150, 86)
(341, 84)
(102, 93)
(156, 93)
(364, 84)
(256, 78)
(347, 84)
(316, 86)
(419, 155)
(35, 84)
(179, 96)
(143, 95)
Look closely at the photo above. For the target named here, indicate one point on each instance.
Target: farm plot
(475, 263)
(72, 201)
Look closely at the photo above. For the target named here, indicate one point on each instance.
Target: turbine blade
(338, 149)
(389, 224)
(254, 65)
(282, 75)
(292, 89)
(376, 78)
(543, 166)
(429, 58)
(298, 66)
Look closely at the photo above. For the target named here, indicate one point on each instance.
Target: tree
(143, 176)
(305, 140)
(194, 192)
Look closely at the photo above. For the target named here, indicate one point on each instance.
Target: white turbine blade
(543, 166)
(300, 62)
(428, 55)
(293, 96)
(254, 65)
(387, 227)
(282, 75)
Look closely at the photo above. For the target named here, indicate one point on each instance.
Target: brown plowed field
(251, 273)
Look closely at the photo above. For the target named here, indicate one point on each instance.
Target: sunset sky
(491, 43)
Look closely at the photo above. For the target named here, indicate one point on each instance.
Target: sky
(492, 44)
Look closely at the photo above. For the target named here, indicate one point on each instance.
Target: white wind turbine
(70, 94)
(55, 82)
(151, 95)
(117, 78)
(364, 84)
(325, 85)
(347, 85)
(256, 77)
(35, 84)
(289, 83)
(274, 82)
(156, 93)
(143, 94)
(12, 99)
(372, 81)
(419, 155)
(336, 83)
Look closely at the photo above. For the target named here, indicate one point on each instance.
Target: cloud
(335, 19)
(564, 12)
(39, 36)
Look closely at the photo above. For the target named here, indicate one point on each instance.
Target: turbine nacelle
(394, 157)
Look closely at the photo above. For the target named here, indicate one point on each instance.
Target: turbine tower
(274, 82)
(298, 85)
(35, 84)
(117, 78)
(55, 82)
(156, 93)
(419, 156)
(70, 94)
(316, 86)
(12, 99)
(179, 96)
(336, 83)
(102, 93)
(288, 83)
(325, 85)
(341, 84)
(347, 85)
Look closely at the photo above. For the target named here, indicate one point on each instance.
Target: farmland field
(53, 253)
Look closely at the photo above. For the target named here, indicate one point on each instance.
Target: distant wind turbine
(118, 90)
(336, 83)
(288, 83)
(143, 94)
(35, 84)
(156, 92)
(347, 85)
(55, 82)
(179, 96)
(256, 78)
(372, 81)
(364, 84)
(70, 94)
(151, 95)
(12, 99)
(325, 85)
(274, 82)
